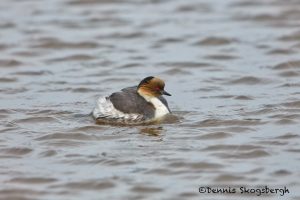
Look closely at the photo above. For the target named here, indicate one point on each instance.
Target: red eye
(157, 88)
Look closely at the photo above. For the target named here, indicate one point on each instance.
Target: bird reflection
(152, 131)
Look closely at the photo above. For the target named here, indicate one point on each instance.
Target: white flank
(105, 109)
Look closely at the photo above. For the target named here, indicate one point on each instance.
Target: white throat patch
(160, 108)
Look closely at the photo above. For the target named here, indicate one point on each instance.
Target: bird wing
(129, 101)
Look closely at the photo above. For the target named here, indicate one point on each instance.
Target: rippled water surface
(232, 67)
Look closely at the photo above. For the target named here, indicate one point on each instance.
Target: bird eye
(158, 88)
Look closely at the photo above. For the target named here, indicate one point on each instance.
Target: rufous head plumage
(152, 86)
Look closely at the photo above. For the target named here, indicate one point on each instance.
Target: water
(232, 68)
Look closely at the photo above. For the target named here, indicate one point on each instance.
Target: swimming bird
(135, 104)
